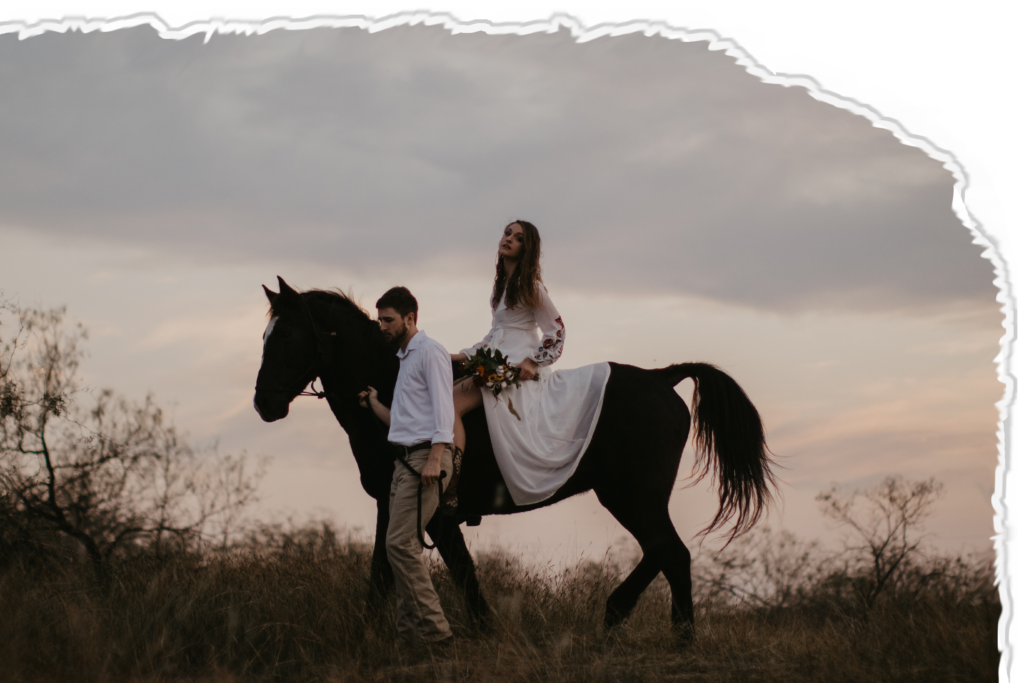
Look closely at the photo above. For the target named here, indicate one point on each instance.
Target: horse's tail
(728, 427)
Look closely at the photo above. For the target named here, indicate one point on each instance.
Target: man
(421, 421)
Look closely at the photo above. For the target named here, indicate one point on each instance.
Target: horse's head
(290, 353)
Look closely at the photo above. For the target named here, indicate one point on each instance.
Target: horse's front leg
(382, 579)
(451, 545)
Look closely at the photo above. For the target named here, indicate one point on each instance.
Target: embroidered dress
(539, 453)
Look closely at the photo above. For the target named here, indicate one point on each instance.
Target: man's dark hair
(400, 299)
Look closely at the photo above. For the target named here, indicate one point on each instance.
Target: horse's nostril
(268, 408)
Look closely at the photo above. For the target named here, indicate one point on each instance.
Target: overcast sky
(688, 211)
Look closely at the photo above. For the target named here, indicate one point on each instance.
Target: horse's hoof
(611, 633)
(482, 620)
(613, 618)
(375, 607)
(684, 635)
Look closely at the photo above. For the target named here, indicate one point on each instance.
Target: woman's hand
(527, 369)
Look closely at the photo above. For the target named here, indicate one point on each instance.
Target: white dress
(539, 453)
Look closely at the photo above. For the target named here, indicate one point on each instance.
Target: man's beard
(395, 341)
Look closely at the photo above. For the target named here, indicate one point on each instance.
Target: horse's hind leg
(663, 551)
(451, 545)
(624, 598)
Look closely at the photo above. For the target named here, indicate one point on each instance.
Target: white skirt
(559, 412)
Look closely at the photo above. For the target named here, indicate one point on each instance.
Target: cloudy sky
(688, 210)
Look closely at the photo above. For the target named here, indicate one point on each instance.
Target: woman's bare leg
(467, 396)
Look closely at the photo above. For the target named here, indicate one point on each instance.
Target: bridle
(323, 348)
(323, 351)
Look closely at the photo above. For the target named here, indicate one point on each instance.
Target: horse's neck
(363, 358)
(358, 360)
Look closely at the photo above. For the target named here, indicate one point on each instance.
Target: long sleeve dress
(539, 452)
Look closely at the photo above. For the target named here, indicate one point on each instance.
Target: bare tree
(884, 525)
(764, 569)
(114, 476)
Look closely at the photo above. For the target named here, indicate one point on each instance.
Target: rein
(419, 503)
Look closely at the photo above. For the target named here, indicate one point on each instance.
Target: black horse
(631, 463)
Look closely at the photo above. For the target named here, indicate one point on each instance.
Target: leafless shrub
(762, 569)
(883, 559)
(883, 541)
(116, 476)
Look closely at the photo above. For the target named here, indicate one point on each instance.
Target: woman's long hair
(524, 285)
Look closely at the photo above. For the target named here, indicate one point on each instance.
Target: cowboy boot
(450, 502)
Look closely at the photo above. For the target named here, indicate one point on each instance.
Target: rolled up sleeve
(438, 370)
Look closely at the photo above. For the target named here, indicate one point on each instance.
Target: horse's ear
(270, 295)
(284, 286)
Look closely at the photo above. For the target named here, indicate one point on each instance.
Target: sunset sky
(689, 212)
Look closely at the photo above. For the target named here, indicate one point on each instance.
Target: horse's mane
(335, 298)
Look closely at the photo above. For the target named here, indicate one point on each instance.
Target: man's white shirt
(422, 408)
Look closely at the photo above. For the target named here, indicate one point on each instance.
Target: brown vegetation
(289, 606)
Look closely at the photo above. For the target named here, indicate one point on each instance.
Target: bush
(112, 478)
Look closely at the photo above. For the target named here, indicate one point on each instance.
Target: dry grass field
(291, 608)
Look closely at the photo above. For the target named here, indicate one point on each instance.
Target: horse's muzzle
(269, 409)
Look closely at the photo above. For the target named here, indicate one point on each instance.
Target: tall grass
(291, 608)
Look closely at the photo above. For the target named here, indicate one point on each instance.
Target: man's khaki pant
(420, 619)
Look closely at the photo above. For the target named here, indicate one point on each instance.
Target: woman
(537, 448)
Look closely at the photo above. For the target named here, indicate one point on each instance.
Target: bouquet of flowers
(490, 368)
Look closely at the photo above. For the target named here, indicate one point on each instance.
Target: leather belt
(406, 450)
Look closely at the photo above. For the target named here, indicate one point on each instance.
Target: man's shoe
(442, 649)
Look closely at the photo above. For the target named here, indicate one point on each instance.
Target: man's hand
(368, 399)
(458, 361)
(431, 472)
(368, 396)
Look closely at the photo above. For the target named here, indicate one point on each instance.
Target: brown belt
(406, 450)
